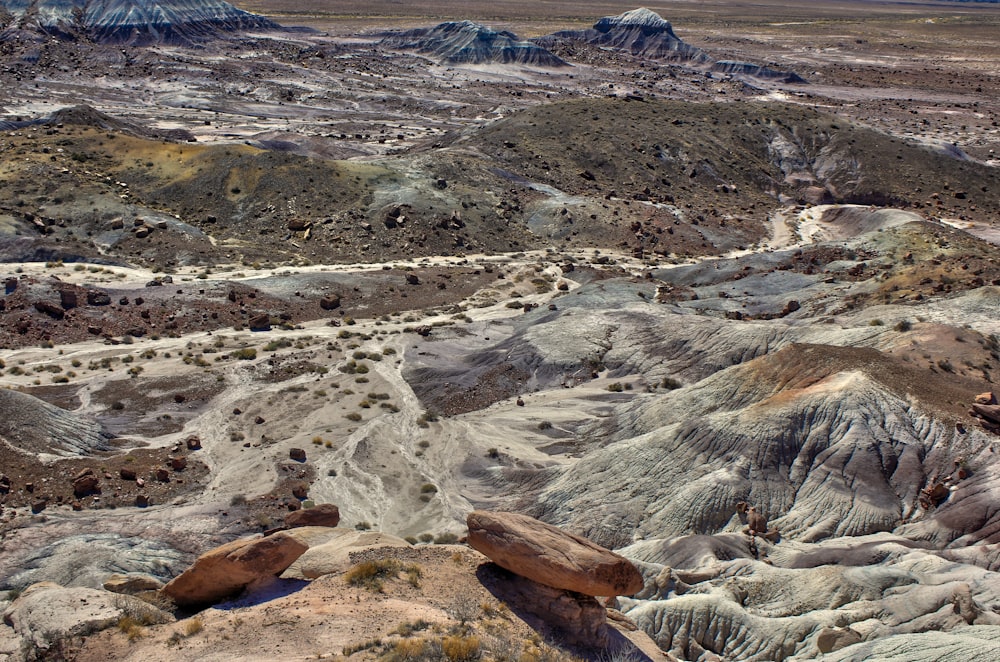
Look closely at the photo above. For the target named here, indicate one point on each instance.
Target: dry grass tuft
(461, 649)
(194, 626)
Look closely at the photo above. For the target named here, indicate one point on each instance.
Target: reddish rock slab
(225, 571)
(324, 514)
(551, 556)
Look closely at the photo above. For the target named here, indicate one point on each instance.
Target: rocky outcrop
(136, 22)
(576, 619)
(132, 583)
(225, 571)
(47, 613)
(324, 514)
(34, 426)
(550, 556)
(330, 549)
(465, 42)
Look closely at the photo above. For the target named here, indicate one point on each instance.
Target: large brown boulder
(227, 570)
(550, 556)
(86, 482)
(324, 514)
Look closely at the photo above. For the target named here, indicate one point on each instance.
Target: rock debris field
(502, 335)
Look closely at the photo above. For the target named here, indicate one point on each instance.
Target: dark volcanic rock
(465, 42)
(134, 21)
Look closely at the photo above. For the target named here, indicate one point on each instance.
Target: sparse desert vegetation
(719, 294)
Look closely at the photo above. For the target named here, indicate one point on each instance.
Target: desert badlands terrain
(510, 331)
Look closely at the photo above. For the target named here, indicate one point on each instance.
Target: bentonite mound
(31, 425)
(826, 441)
(641, 32)
(465, 42)
(132, 21)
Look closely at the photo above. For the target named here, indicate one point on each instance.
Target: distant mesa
(137, 22)
(465, 42)
(641, 32)
(645, 34)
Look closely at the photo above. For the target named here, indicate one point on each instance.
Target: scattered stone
(178, 463)
(297, 454)
(330, 302)
(833, 639)
(412, 279)
(986, 398)
(300, 491)
(127, 474)
(68, 299)
(550, 556)
(141, 501)
(193, 443)
(163, 475)
(260, 322)
(95, 298)
(226, 570)
(933, 495)
(86, 482)
(50, 309)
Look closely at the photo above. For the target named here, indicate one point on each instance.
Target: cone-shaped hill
(641, 32)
